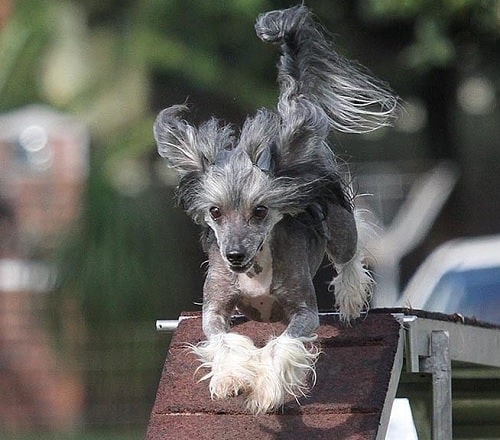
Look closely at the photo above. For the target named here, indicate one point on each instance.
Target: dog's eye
(260, 211)
(215, 212)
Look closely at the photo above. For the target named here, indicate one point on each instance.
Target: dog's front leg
(231, 358)
(287, 362)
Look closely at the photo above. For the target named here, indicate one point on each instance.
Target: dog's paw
(287, 368)
(353, 286)
(232, 362)
(223, 386)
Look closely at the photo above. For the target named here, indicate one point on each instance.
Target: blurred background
(92, 250)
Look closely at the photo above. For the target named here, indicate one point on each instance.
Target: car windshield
(472, 293)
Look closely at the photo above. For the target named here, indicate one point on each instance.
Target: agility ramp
(358, 376)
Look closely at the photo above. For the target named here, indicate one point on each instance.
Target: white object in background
(401, 426)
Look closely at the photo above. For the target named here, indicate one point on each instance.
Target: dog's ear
(223, 157)
(267, 158)
(177, 141)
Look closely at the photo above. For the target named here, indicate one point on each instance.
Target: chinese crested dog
(272, 201)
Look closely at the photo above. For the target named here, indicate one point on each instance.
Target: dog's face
(240, 188)
(241, 234)
(237, 207)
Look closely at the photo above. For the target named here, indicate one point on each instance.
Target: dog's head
(237, 204)
(280, 164)
(241, 187)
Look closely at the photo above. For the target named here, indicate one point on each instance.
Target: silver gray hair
(281, 157)
(353, 100)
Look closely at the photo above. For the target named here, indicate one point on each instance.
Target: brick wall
(37, 389)
(43, 169)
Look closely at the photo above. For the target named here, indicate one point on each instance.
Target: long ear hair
(353, 100)
(188, 149)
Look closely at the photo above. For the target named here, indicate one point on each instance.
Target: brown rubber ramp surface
(353, 376)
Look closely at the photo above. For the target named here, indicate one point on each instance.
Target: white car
(461, 276)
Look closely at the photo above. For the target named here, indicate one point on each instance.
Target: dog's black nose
(235, 257)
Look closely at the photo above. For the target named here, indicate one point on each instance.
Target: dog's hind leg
(346, 248)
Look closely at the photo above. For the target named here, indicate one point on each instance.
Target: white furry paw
(353, 286)
(232, 360)
(287, 367)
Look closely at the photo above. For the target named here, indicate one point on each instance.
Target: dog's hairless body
(279, 285)
(272, 202)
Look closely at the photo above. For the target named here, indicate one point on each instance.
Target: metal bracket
(428, 351)
(167, 325)
(170, 325)
(438, 364)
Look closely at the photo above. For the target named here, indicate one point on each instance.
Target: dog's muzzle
(237, 261)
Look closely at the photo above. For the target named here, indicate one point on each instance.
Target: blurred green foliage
(439, 26)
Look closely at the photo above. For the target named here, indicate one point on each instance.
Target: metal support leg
(439, 365)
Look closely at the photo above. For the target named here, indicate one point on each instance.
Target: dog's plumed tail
(353, 100)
